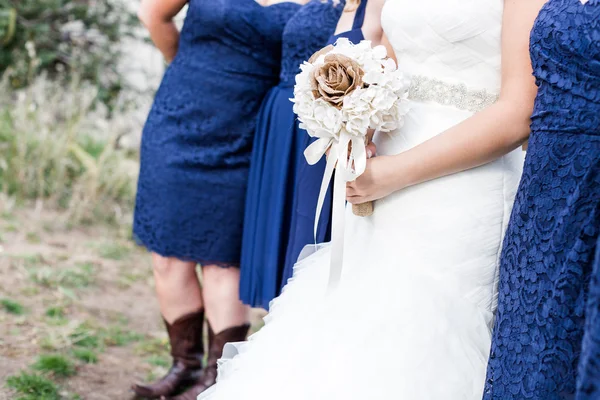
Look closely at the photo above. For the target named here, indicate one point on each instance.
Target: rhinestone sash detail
(423, 88)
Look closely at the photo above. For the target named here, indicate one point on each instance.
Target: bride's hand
(376, 182)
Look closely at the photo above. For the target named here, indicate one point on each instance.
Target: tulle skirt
(422, 340)
(411, 317)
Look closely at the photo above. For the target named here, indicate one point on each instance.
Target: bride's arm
(481, 138)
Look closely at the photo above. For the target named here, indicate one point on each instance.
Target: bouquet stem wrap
(363, 209)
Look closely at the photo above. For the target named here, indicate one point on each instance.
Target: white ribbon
(347, 169)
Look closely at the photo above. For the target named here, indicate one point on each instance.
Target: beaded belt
(423, 88)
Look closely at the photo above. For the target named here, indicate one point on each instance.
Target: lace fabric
(547, 325)
(306, 33)
(197, 141)
(275, 227)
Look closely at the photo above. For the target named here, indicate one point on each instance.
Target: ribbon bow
(348, 157)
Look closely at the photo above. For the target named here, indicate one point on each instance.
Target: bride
(412, 315)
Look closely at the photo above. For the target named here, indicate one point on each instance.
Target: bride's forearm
(496, 130)
(478, 140)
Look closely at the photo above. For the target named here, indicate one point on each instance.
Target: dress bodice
(455, 41)
(233, 33)
(305, 33)
(565, 54)
(228, 58)
(197, 141)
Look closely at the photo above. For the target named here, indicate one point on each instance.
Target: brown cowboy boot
(187, 350)
(215, 351)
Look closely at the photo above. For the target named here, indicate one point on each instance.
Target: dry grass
(58, 147)
(78, 314)
(69, 327)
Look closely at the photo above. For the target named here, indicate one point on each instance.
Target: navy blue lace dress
(278, 145)
(546, 340)
(309, 178)
(197, 141)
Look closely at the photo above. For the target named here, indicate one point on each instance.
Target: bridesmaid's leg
(221, 298)
(180, 300)
(227, 321)
(177, 287)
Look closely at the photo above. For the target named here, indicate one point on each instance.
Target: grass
(52, 342)
(151, 376)
(86, 355)
(78, 277)
(127, 278)
(57, 316)
(33, 237)
(55, 312)
(30, 291)
(85, 337)
(55, 365)
(28, 259)
(152, 347)
(71, 340)
(12, 307)
(63, 155)
(113, 251)
(117, 336)
(11, 228)
(33, 387)
(159, 361)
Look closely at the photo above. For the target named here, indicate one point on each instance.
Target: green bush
(63, 37)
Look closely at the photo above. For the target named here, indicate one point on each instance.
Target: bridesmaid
(277, 146)
(546, 342)
(195, 156)
(283, 188)
(361, 20)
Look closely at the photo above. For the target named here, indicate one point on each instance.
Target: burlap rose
(337, 77)
(324, 50)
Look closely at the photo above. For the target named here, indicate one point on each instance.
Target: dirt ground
(81, 293)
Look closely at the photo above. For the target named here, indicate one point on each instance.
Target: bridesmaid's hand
(379, 180)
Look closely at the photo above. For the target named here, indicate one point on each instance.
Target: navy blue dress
(546, 339)
(309, 178)
(278, 146)
(196, 143)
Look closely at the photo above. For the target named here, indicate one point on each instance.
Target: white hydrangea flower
(380, 105)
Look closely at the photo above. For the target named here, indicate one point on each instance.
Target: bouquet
(342, 93)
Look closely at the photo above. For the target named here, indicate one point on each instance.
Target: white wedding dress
(411, 318)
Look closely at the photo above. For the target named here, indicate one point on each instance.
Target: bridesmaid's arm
(157, 16)
(478, 140)
(390, 50)
(371, 27)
